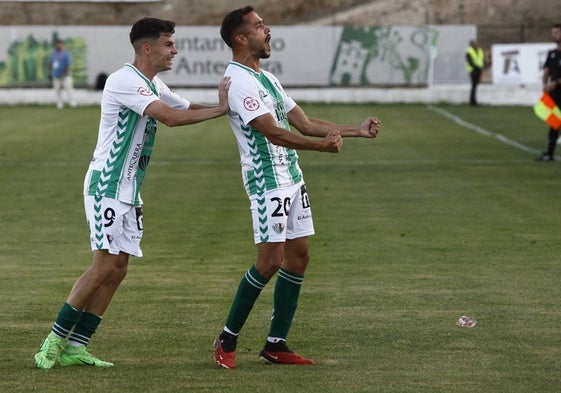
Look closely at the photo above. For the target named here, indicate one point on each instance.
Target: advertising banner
(303, 56)
(519, 64)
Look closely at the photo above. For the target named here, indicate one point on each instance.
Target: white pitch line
(482, 131)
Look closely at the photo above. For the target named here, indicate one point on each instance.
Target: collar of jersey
(245, 67)
(149, 83)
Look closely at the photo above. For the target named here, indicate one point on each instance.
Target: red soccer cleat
(280, 354)
(222, 358)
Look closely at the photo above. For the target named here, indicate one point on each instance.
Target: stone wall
(498, 21)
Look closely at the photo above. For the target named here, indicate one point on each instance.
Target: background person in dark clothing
(475, 61)
(552, 84)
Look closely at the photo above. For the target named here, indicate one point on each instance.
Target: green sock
(65, 321)
(248, 291)
(287, 291)
(85, 328)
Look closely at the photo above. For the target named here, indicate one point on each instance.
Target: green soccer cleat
(79, 356)
(49, 352)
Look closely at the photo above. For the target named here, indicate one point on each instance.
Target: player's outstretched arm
(267, 125)
(317, 127)
(180, 117)
(223, 88)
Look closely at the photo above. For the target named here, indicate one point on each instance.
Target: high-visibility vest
(477, 57)
(548, 111)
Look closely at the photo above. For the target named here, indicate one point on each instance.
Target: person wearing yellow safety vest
(551, 79)
(475, 61)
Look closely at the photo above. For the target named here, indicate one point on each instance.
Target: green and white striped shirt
(126, 136)
(265, 166)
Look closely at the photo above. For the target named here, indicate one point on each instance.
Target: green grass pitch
(428, 222)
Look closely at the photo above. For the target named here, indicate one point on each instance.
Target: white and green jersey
(265, 166)
(126, 136)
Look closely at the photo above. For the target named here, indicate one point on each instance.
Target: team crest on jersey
(143, 91)
(250, 104)
(278, 228)
(263, 94)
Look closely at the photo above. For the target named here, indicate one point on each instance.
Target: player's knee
(299, 256)
(119, 268)
(112, 268)
(97, 274)
(119, 272)
(303, 257)
(267, 267)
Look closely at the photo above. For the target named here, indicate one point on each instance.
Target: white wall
(301, 55)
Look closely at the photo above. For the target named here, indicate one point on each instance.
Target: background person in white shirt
(60, 67)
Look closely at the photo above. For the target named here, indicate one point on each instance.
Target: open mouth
(268, 41)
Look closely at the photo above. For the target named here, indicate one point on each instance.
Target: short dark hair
(232, 22)
(556, 25)
(151, 28)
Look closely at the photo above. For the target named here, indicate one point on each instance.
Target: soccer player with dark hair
(261, 115)
(134, 100)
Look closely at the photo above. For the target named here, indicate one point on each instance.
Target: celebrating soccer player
(134, 100)
(261, 115)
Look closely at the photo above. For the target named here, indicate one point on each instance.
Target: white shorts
(282, 214)
(114, 226)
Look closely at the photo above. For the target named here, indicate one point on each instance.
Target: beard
(265, 50)
(264, 53)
